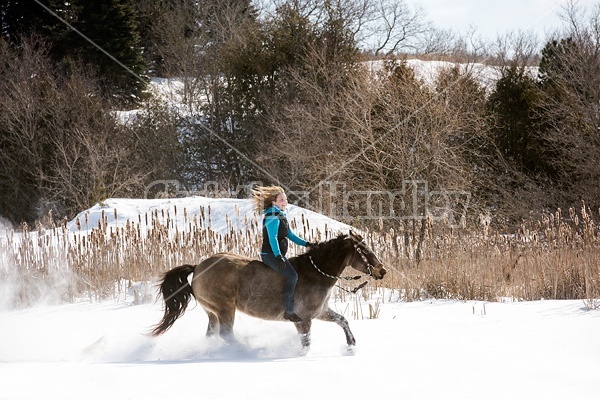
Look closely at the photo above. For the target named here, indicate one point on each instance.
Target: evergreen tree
(555, 59)
(148, 14)
(569, 98)
(116, 52)
(20, 17)
(217, 40)
(515, 124)
(23, 18)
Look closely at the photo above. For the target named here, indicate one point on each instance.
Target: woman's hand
(280, 262)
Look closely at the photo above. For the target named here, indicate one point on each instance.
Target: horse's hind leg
(226, 319)
(220, 321)
(213, 324)
(332, 316)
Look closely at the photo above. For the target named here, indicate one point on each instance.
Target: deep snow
(423, 350)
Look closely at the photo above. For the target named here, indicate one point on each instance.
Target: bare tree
(515, 49)
(374, 128)
(61, 148)
(394, 26)
(380, 27)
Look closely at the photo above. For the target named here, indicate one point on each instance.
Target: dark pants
(289, 274)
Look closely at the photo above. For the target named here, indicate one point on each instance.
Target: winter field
(94, 347)
(420, 350)
(77, 303)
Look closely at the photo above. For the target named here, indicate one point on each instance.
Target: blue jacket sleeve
(272, 224)
(294, 238)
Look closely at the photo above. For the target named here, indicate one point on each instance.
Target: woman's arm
(272, 224)
(294, 238)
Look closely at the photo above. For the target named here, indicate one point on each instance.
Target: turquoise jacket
(277, 231)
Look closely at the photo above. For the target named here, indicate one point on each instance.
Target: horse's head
(363, 259)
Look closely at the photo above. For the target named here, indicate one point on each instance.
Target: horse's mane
(325, 247)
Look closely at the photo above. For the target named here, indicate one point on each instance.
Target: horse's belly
(261, 298)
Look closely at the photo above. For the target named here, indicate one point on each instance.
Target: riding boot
(288, 304)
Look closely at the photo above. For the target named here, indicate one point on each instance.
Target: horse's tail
(177, 293)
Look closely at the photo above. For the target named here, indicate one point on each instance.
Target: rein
(348, 278)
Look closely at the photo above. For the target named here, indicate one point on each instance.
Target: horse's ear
(355, 236)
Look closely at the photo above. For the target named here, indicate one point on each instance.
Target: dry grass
(557, 257)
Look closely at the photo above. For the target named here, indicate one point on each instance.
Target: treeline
(296, 93)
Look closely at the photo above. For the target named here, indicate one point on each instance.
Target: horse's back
(220, 269)
(215, 278)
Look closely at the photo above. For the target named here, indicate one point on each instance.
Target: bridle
(370, 268)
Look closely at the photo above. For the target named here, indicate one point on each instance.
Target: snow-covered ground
(424, 350)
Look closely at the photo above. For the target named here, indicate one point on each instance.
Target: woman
(276, 232)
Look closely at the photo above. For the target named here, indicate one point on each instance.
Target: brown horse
(225, 282)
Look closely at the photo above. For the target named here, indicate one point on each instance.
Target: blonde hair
(264, 196)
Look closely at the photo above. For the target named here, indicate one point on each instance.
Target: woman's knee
(290, 273)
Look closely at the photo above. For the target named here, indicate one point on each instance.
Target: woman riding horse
(276, 231)
(225, 282)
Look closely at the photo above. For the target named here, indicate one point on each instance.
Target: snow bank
(428, 71)
(218, 214)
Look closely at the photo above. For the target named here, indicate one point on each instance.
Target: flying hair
(264, 196)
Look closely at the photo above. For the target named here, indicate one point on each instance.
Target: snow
(428, 71)
(221, 215)
(422, 350)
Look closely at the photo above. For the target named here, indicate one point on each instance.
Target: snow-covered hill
(172, 90)
(221, 215)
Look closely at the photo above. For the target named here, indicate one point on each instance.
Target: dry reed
(557, 257)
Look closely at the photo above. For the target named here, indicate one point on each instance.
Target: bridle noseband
(369, 266)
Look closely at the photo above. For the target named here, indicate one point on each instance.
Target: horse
(226, 282)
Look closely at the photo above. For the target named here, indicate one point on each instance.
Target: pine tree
(512, 106)
(23, 18)
(555, 57)
(112, 45)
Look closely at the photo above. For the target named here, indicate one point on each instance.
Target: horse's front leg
(332, 316)
(303, 328)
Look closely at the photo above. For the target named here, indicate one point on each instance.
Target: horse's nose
(381, 271)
